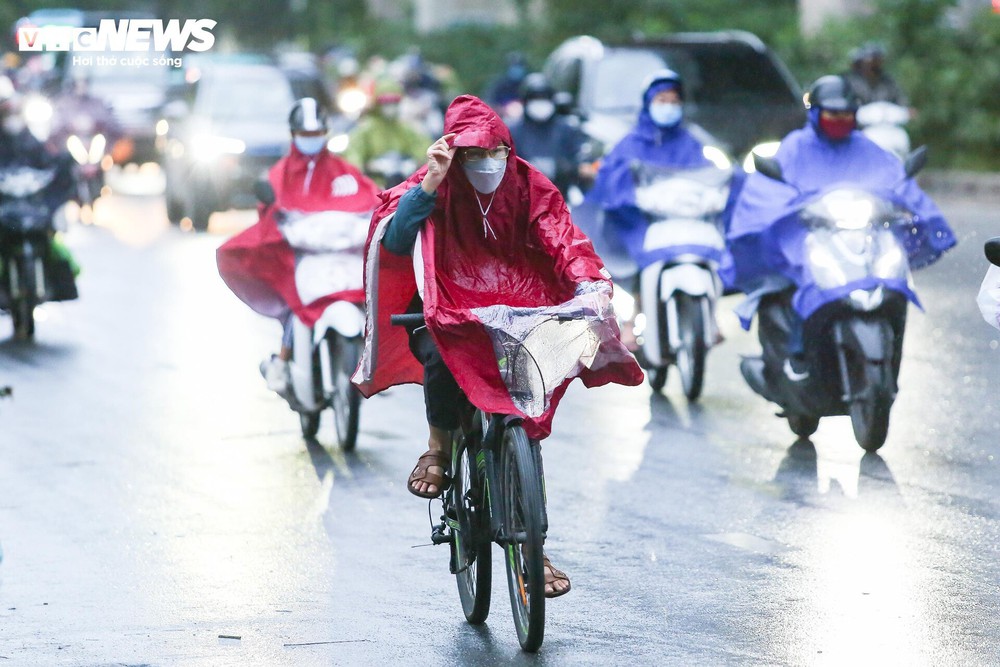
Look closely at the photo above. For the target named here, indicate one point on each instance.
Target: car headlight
(764, 149)
(206, 148)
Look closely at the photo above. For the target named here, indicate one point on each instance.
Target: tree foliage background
(950, 69)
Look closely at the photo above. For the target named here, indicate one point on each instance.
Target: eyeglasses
(473, 153)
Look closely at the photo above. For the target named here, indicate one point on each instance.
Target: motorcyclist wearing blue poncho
(660, 139)
(766, 253)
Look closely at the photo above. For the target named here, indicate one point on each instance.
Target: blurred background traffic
(214, 121)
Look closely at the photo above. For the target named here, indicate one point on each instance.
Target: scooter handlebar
(407, 319)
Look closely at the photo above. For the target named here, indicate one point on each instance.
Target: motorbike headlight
(338, 143)
(765, 149)
(97, 146)
(352, 101)
(75, 147)
(717, 157)
(844, 209)
(206, 148)
(623, 303)
(38, 116)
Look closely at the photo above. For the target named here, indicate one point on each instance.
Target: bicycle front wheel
(471, 544)
(524, 517)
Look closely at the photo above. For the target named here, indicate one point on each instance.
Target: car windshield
(235, 98)
(714, 74)
(619, 79)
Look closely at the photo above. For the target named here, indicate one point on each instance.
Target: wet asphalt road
(154, 497)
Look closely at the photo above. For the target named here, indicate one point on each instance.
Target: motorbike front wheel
(870, 412)
(24, 297)
(690, 357)
(346, 399)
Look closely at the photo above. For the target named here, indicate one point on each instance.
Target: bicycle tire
(473, 565)
(524, 516)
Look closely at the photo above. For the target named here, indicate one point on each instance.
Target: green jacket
(377, 135)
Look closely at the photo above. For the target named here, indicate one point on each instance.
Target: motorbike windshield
(538, 349)
(328, 248)
(681, 193)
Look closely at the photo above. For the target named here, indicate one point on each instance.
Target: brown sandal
(552, 575)
(422, 473)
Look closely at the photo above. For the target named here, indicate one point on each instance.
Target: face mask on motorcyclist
(309, 145)
(666, 114)
(837, 126)
(539, 110)
(485, 172)
(390, 110)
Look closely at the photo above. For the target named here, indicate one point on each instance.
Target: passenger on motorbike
(263, 264)
(484, 228)
(869, 80)
(544, 138)
(765, 250)
(381, 133)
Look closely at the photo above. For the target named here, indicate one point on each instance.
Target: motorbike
(329, 246)
(678, 291)
(88, 149)
(26, 237)
(883, 123)
(857, 276)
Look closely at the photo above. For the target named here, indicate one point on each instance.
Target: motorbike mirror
(915, 161)
(992, 250)
(769, 167)
(264, 192)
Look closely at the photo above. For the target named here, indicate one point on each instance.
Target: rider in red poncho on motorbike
(260, 264)
(492, 231)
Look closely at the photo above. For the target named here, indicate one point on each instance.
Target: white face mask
(539, 110)
(486, 174)
(309, 145)
(666, 114)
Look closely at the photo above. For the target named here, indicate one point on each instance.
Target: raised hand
(439, 157)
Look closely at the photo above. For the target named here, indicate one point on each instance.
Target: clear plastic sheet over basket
(537, 349)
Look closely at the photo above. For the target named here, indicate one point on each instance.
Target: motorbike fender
(867, 336)
(301, 366)
(345, 318)
(688, 278)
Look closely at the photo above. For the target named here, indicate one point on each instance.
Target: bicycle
(496, 494)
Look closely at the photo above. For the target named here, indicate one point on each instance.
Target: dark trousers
(441, 392)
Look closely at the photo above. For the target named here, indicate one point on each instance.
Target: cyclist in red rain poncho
(487, 230)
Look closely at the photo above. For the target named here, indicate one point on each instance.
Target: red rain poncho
(258, 264)
(537, 258)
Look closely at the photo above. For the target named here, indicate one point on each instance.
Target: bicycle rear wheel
(471, 544)
(523, 524)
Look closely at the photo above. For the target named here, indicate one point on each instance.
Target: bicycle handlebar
(406, 319)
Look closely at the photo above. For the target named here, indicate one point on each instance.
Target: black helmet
(833, 93)
(307, 116)
(535, 87)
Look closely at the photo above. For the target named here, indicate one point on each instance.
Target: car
(225, 129)
(133, 92)
(738, 94)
